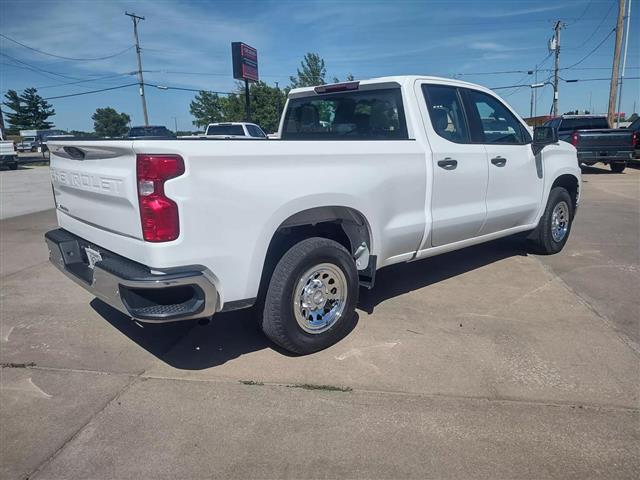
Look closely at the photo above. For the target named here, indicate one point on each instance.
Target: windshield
(227, 130)
(635, 125)
(586, 123)
(353, 115)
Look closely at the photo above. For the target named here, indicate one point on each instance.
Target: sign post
(245, 67)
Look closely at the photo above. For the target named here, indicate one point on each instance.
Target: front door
(515, 175)
(460, 169)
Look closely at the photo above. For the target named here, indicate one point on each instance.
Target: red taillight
(158, 213)
(634, 139)
(574, 139)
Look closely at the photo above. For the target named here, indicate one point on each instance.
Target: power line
(63, 57)
(583, 12)
(85, 81)
(165, 87)
(595, 30)
(592, 51)
(92, 91)
(38, 69)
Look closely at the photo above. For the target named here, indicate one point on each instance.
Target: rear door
(515, 183)
(460, 169)
(95, 182)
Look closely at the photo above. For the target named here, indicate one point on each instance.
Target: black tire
(617, 167)
(13, 166)
(279, 321)
(541, 240)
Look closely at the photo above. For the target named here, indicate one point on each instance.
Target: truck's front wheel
(554, 227)
(312, 295)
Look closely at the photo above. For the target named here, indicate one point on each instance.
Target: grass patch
(250, 382)
(327, 388)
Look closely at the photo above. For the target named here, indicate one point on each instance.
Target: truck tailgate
(605, 138)
(95, 183)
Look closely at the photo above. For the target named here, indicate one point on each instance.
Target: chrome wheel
(320, 297)
(560, 221)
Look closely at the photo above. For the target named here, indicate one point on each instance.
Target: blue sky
(366, 38)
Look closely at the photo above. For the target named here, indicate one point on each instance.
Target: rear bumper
(606, 156)
(173, 294)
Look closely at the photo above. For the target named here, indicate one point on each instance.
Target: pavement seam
(635, 349)
(72, 437)
(143, 375)
(133, 379)
(500, 400)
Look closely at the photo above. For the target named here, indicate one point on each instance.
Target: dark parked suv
(595, 141)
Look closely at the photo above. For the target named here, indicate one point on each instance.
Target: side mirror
(543, 136)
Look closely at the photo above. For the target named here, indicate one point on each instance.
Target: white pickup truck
(8, 154)
(364, 175)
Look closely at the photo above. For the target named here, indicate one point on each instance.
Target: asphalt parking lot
(483, 363)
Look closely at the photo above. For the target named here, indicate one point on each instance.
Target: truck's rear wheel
(554, 227)
(311, 299)
(618, 167)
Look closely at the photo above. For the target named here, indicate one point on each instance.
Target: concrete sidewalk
(483, 363)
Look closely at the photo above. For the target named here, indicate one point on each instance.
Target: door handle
(499, 161)
(448, 163)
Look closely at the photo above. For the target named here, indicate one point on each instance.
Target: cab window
(376, 114)
(493, 122)
(446, 113)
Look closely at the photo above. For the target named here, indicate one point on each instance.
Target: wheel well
(570, 183)
(344, 225)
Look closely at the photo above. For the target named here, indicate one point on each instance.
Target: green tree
(266, 106)
(350, 78)
(207, 108)
(311, 72)
(109, 123)
(29, 111)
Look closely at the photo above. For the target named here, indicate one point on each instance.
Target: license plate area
(93, 256)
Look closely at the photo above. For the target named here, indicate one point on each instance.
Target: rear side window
(494, 123)
(255, 131)
(353, 115)
(225, 130)
(446, 113)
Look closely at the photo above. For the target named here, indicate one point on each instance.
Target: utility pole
(556, 47)
(533, 92)
(136, 19)
(624, 61)
(175, 124)
(613, 88)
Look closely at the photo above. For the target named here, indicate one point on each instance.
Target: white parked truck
(364, 175)
(8, 154)
(235, 130)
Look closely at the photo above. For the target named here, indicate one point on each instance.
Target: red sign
(245, 62)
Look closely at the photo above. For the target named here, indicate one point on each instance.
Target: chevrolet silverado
(364, 174)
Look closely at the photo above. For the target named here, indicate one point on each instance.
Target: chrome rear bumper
(172, 295)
